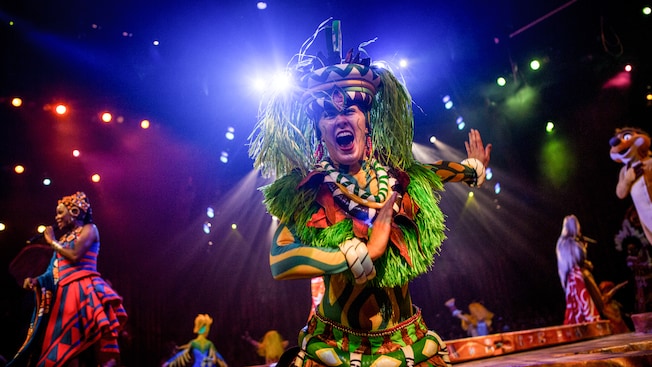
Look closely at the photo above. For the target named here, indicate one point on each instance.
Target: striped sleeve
(290, 259)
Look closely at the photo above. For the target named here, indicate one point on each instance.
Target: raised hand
(381, 229)
(475, 148)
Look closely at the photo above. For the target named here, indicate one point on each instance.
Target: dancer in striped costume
(355, 207)
(78, 315)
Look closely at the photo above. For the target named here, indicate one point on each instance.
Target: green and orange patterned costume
(366, 317)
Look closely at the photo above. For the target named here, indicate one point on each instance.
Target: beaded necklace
(359, 202)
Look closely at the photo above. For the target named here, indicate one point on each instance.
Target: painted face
(64, 217)
(344, 133)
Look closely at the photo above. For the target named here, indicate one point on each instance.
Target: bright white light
(628, 68)
(647, 10)
(261, 5)
(47, 181)
(433, 139)
(224, 158)
(234, 226)
(2, 226)
(60, 109)
(282, 81)
(144, 124)
(489, 174)
(501, 81)
(550, 126)
(471, 194)
(461, 125)
(76, 153)
(210, 212)
(535, 65)
(448, 105)
(403, 63)
(230, 133)
(258, 84)
(106, 117)
(207, 227)
(156, 43)
(446, 98)
(459, 120)
(497, 188)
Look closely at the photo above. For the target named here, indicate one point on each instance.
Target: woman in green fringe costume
(355, 207)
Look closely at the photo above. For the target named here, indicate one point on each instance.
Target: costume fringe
(295, 207)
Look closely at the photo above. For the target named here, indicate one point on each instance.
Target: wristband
(479, 170)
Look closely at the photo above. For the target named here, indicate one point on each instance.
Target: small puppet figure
(631, 147)
(199, 352)
(271, 347)
(612, 309)
(477, 322)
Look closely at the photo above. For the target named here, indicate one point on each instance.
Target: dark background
(156, 184)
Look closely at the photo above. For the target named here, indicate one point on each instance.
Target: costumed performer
(477, 322)
(355, 206)
(271, 347)
(583, 298)
(77, 316)
(631, 147)
(199, 352)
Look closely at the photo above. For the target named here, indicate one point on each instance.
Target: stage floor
(626, 350)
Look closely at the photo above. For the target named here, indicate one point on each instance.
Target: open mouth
(344, 139)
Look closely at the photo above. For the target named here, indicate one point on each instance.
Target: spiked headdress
(285, 137)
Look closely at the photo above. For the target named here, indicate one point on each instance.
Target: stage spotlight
(501, 81)
(433, 139)
(224, 158)
(259, 85)
(261, 5)
(282, 81)
(2, 226)
(535, 64)
(47, 182)
(16, 102)
(550, 127)
(461, 125)
(628, 68)
(76, 153)
(403, 63)
(448, 105)
(144, 124)
(497, 188)
(471, 194)
(210, 212)
(647, 10)
(489, 174)
(61, 109)
(156, 43)
(234, 226)
(95, 178)
(106, 117)
(207, 227)
(19, 169)
(230, 133)
(40, 228)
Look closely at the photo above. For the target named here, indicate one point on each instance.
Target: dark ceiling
(196, 83)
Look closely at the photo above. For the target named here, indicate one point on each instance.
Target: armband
(479, 170)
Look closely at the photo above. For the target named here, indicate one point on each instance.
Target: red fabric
(579, 304)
